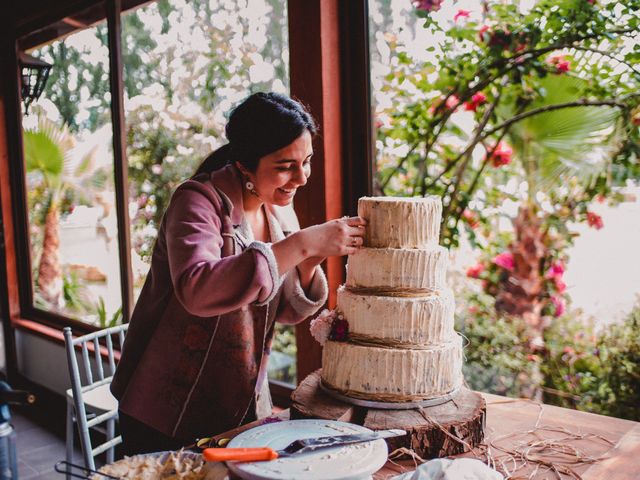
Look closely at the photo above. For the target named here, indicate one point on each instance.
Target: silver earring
(249, 185)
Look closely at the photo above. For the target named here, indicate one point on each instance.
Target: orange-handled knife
(299, 446)
(239, 454)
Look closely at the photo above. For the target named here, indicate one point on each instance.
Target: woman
(229, 261)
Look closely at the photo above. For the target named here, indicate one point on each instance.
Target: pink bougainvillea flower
(484, 33)
(476, 100)
(559, 304)
(501, 155)
(461, 14)
(470, 217)
(594, 220)
(428, 5)
(560, 62)
(561, 287)
(320, 327)
(556, 270)
(452, 102)
(475, 270)
(505, 260)
(339, 330)
(473, 309)
(600, 198)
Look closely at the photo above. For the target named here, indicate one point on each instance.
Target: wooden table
(506, 416)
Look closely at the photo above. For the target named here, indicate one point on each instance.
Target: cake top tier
(401, 222)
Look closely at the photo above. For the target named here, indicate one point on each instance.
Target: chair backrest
(98, 364)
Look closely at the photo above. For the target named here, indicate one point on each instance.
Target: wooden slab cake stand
(431, 431)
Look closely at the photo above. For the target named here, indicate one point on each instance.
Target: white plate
(349, 462)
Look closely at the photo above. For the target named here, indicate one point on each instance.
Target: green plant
(599, 373)
(75, 294)
(48, 152)
(284, 341)
(101, 312)
(497, 358)
(544, 87)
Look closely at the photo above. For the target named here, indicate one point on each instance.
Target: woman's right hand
(342, 236)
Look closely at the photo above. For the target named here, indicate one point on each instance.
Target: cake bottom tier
(390, 374)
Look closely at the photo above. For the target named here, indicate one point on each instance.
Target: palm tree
(49, 152)
(553, 147)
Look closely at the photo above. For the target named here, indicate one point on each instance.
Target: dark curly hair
(260, 125)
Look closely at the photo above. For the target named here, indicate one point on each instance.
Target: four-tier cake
(401, 345)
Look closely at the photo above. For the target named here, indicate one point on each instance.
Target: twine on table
(546, 455)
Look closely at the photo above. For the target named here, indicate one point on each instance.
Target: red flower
(500, 37)
(428, 5)
(560, 62)
(451, 103)
(501, 155)
(475, 271)
(594, 220)
(470, 217)
(560, 285)
(476, 100)
(532, 357)
(600, 198)
(559, 304)
(484, 34)
(556, 270)
(569, 350)
(339, 330)
(461, 14)
(473, 309)
(636, 119)
(505, 260)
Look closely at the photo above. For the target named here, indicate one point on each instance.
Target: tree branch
(466, 154)
(398, 166)
(609, 55)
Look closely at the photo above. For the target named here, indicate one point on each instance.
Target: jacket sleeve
(204, 283)
(296, 305)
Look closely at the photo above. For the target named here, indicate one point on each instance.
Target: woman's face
(280, 173)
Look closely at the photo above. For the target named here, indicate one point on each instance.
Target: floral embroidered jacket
(194, 359)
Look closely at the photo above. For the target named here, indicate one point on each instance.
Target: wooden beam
(358, 144)
(9, 147)
(315, 80)
(120, 156)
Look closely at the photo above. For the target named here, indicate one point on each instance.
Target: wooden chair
(89, 402)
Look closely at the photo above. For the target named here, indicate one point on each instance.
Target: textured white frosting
(398, 268)
(425, 320)
(396, 222)
(371, 372)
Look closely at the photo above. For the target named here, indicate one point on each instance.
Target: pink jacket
(194, 359)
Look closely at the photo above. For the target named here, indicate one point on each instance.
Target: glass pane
(186, 64)
(68, 149)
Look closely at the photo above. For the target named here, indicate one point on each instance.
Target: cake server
(304, 445)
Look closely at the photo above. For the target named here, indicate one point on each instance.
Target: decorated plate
(352, 462)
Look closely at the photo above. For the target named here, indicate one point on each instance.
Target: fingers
(355, 221)
(356, 241)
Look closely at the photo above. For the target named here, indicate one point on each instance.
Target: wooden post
(315, 80)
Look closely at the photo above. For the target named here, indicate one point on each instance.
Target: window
(69, 174)
(185, 64)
